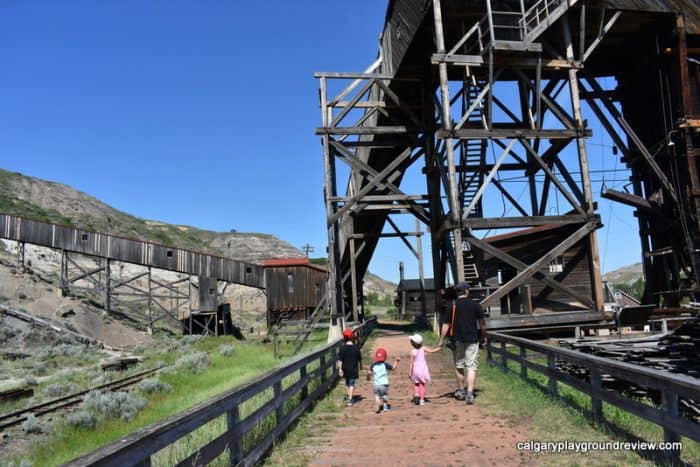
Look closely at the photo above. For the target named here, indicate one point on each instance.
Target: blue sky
(198, 113)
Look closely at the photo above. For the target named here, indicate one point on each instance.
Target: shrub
(44, 353)
(32, 425)
(82, 419)
(40, 368)
(226, 350)
(196, 362)
(189, 340)
(151, 385)
(116, 404)
(59, 389)
(30, 381)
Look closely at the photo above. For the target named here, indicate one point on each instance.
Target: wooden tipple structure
(494, 100)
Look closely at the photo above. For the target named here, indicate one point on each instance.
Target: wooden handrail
(138, 447)
(670, 385)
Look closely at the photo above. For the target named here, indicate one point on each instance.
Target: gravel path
(443, 432)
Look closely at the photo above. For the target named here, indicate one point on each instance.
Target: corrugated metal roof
(292, 262)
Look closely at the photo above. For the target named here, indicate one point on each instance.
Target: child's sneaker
(386, 408)
(459, 394)
(415, 399)
(422, 402)
(348, 402)
(470, 398)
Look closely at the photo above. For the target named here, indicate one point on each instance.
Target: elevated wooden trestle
(479, 96)
(165, 298)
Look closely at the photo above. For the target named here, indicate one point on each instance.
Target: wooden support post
(107, 298)
(593, 258)
(304, 392)
(277, 395)
(353, 276)
(552, 367)
(64, 273)
(150, 302)
(235, 449)
(489, 351)
(21, 255)
(504, 356)
(321, 364)
(421, 278)
(451, 188)
(596, 387)
(670, 407)
(523, 359)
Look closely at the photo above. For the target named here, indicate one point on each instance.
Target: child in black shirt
(349, 363)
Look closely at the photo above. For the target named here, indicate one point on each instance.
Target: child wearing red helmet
(349, 360)
(380, 373)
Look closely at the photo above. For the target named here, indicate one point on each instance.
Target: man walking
(460, 325)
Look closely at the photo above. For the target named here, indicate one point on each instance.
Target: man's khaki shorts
(466, 355)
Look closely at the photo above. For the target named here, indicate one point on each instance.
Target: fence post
(596, 387)
(275, 344)
(523, 358)
(489, 353)
(551, 365)
(670, 407)
(279, 411)
(235, 449)
(321, 364)
(144, 463)
(504, 357)
(304, 393)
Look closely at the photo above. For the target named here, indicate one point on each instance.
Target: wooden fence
(671, 386)
(291, 390)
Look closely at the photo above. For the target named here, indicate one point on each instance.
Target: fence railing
(672, 387)
(290, 390)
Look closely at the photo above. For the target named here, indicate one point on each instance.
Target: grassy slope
(248, 360)
(107, 220)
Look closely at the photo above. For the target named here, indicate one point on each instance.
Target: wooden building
(408, 297)
(571, 269)
(295, 287)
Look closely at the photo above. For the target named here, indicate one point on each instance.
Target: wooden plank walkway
(443, 432)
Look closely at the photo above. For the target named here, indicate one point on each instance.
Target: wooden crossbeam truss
(167, 300)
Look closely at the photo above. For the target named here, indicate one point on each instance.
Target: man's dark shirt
(350, 357)
(467, 315)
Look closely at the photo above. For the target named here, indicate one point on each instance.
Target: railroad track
(18, 416)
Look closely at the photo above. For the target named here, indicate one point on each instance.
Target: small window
(212, 291)
(248, 270)
(556, 265)
(84, 237)
(169, 253)
(317, 289)
(290, 282)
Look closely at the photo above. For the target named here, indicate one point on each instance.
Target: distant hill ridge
(58, 203)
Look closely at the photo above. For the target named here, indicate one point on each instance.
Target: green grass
(552, 420)
(248, 360)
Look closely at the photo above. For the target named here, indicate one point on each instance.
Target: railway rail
(18, 416)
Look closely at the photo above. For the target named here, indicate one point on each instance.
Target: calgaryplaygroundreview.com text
(586, 446)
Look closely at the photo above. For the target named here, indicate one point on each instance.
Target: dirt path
(443, 432)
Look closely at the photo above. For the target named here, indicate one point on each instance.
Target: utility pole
(307, 249)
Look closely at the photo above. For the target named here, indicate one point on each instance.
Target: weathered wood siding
(528, 249)
(294, 287)
(130, 251)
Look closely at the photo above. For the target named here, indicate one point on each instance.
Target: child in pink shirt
(418, 371)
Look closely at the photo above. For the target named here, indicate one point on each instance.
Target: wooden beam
(505, 133)
(481, 223)
(630, 200)
(506, 62)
